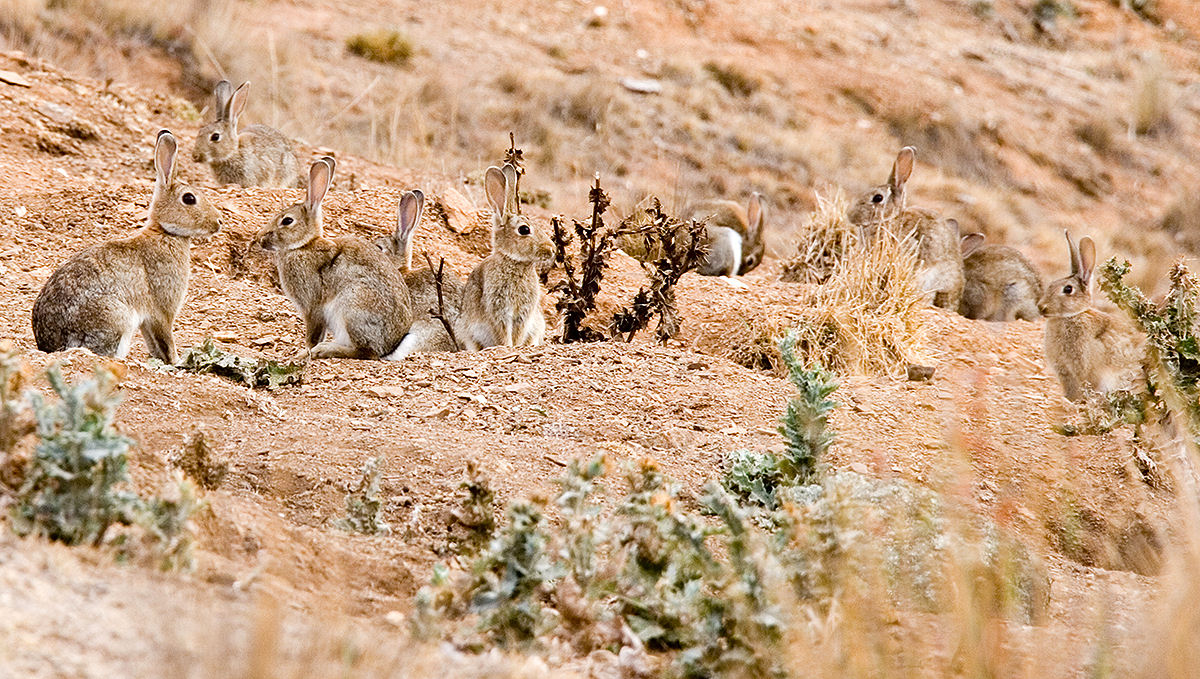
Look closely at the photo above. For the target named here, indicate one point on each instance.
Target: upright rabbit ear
(493, 183)
(165, 148)
(237, 102)
(320, 175)
(1076, 266)
(902, 169)
(221, 96)
(1087, 259)
(755, 213)
(970, 243)
(412, 204)
(511, 205)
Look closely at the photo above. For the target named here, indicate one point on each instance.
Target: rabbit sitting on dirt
(501, 303)
(938, 250)
(1091, 351)
(344, 285)
(734, 234)
(427, 333)
(104, 294)
(257, 156)
(999, 283)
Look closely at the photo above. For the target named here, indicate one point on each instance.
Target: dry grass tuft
(1152, 99)
(382, 45)
(864, 313)
(735, 81)
(869, 317)
(822, 242)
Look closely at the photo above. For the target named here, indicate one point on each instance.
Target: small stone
(14, 79)
(394, 618)
(859, 468)
(920, 373)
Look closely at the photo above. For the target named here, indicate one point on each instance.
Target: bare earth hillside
(1020, 132)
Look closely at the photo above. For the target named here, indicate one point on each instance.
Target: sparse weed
(1152, 98)
(577, 293)
(735, 81)
(252, 372)
(196, 460)
(477, 512)
(364, 506)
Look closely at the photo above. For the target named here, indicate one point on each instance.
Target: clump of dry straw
(867, 313)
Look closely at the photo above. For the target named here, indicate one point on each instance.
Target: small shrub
(673, 248)
(477, 512)
(735, 81)
(168, 526)
(364, 507)
(382, 45)
(197, 461)
(577, 293)
(73, 487)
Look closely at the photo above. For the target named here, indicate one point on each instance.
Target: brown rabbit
(1091, 351)
(344, 285)
(256, 156)
(999, 283)
(427, 333)
(102, 295)
(939, 253)
(735, 243)
(501, 303)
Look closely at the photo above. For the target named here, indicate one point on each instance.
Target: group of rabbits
(1091, 351)
(372, 304)
(366, 296)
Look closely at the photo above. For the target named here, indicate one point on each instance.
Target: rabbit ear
(511, 205)
(237, 102)
(970, 243)
(412, 204)
(221, 94)
(1087, 259)
(902, 169)
(755, 214)
(494, 183)
(320, 175)
(1074, 251)
(165, 148)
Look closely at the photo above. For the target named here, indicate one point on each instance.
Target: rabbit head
(408, 217)
(513, 236)
(297, 225)
(886, 200)
(218, 140)
(177, 208)
(754, 245)
(1071, 295)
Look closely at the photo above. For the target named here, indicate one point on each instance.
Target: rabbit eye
(877, 198)
(216, 136)
(286, 220)
(188, 198)
(523, 229)
(1068, 289)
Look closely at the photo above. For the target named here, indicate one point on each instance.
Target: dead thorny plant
(577, 293)
(439, 283)
(679, 247)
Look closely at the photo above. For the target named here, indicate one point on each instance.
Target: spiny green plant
(1172, 341)
(364, 506)
(167, 522)
(252, 372)
(73, 490)
(14, 423)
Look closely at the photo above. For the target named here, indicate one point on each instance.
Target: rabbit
(427, 333)
(344, 285)
(939, 252)
(102, 295)
(999, 282)
(501, 303)
(256, 156)
(734, 233)
(1091, 351)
